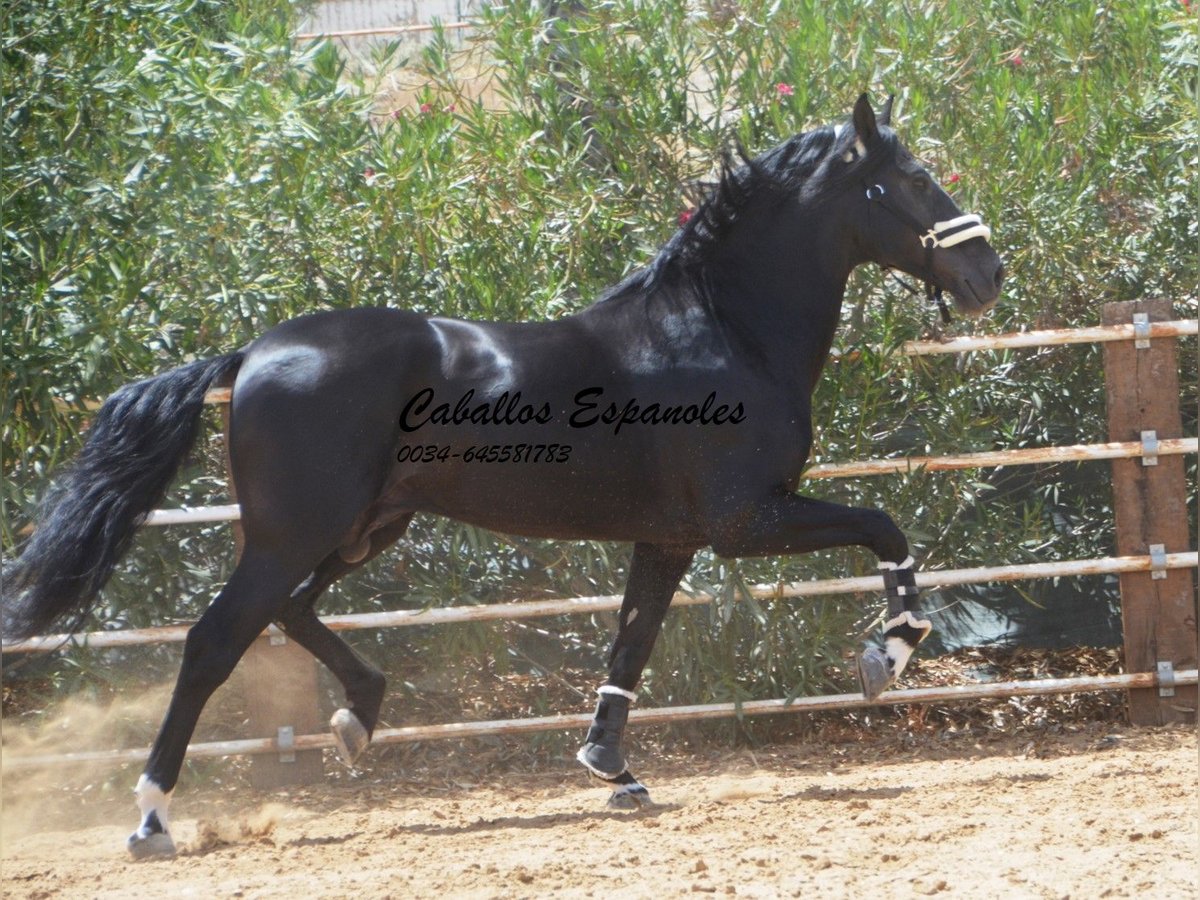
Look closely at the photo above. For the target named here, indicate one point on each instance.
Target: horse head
(908, 221)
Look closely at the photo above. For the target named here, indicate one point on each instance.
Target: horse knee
(887, 540)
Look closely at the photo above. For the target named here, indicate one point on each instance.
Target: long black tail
(135, 446)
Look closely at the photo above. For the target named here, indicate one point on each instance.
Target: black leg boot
(601, 751)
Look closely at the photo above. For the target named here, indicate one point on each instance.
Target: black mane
(779, 171)
(785, 170)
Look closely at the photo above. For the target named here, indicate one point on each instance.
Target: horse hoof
(874, 672)
(349, 735)
(633, 798)
(628, 793)
(153, 846)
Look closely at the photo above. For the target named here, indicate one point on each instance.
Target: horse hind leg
(654, 575)
(255, 592)
(363, 684)
(353, 725)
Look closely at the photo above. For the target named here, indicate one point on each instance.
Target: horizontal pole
(1095, 334)
(1051, 337)
(529, 609)
(187, 515)
(383, 29)
(458, 730)
(1025, 457)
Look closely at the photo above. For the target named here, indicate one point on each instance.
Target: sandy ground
(1101, 812)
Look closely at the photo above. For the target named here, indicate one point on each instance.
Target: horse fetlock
(350, 735)
(153, 803)
(907, 628)
(901, 636)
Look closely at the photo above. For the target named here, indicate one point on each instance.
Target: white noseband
(947, 234)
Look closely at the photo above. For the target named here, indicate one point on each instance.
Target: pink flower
(396, 113)
(686, 216)
(426, 108)
(954, 178)
(1016, 59)
(450, 108)
(368, 174)
(784, 89)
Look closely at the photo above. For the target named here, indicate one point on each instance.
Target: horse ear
(885, 114)
(864, 120)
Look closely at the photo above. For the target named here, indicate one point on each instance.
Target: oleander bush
(180, 175)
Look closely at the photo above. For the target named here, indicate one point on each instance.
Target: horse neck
(780, 291)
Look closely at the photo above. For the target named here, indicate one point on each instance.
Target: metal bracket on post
(1141, 331)
(1158, 561)
(1166, 678)
(1149, 448)
(285, 740)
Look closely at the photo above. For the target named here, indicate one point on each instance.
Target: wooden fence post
(280, 685)
(1150, 502)
(279, 680)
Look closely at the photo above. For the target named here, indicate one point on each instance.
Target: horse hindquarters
(308, 458)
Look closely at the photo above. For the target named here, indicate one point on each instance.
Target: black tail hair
(134, 447)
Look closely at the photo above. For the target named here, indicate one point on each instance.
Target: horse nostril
(998, 278)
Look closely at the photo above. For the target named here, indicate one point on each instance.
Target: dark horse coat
(674, 413)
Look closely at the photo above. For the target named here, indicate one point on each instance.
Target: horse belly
(564, 488)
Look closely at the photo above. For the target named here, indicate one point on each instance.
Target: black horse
(673, 413)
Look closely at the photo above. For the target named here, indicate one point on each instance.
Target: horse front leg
(789, 523)
(879, 667)
(654, 575)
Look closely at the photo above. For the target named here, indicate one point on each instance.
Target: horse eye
(921, 183)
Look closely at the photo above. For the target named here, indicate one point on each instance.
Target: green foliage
(180, 175)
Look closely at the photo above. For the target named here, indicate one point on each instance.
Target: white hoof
(349, 734)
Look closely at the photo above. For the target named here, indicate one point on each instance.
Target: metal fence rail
(394, 30)
(495, 727)
(530, 609)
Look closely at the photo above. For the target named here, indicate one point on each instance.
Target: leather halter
(942, 234)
